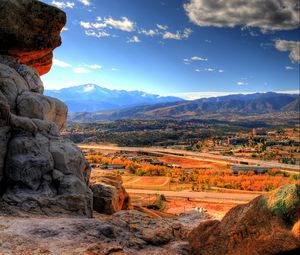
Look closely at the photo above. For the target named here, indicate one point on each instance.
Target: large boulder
(40, 172)
(29, 31)
(109, 196)
(267, 225)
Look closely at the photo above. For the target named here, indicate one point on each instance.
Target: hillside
(92, 98)
(232, 105)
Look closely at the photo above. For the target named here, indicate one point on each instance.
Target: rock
(30, 32)
(266, 225)
(40, 172)
(113, 234)
(28, 159)
(37, 106)
(109, 196)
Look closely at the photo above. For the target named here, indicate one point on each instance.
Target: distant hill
(232, 105)
(92, 98)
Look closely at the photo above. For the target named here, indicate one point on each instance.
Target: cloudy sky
(189, 48)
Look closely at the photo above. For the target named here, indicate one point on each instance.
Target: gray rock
(40, 172)
(28, 159)
(34, 105)
(68, 159)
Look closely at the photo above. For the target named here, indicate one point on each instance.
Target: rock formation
(109, 196)
(39, 171)
(29, 31)
(267, 225)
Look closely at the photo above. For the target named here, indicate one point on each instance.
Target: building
(238, 141)
(112, 166)
(248, 168)
(259, 131)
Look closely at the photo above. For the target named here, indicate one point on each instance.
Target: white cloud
(209, 69)
(89, 25)
(197, 70)
(178, 35)
(85, 2)
(149, 32)
(134, 39)
(96, 34)
(290, 46)
(65, 29)
(63, 5)
(221, 71)
(80, 70)
(169, 35)
(114, 69)
(289, 68)
(186, 33)
(59, 63)
(95, 66)
(241, 83)
(123, 24)
(162, 27)
(196, 58)
(266, 15)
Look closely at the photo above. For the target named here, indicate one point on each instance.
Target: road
(199, 155)
(215, 197)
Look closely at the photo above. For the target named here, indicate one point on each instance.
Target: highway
(199, 156)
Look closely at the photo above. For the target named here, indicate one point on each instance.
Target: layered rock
(29, 31)
(109, 196)
(39, 171)
(267, 225)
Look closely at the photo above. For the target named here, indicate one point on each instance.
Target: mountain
(231, 105)
(92, 98)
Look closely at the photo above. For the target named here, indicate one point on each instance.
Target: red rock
(19, 35)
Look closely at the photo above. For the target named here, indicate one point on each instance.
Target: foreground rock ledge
(267, 225)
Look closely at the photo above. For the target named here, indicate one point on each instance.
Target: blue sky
(190, 48)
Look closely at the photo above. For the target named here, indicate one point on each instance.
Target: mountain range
(92, 98)
(231, 105)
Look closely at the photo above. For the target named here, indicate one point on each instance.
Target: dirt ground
(191, 163)
(216, 210)
(177, 206)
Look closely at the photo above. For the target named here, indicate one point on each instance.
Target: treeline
(204, 179)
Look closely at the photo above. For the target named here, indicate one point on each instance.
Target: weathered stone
(68, 159)
(266, 225)
(39, 171)
(11, 85)
(109, 194)
(28, 159)
(30, 30)
(37, 106)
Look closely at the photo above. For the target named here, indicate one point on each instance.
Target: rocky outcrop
(126, 233)
(40, 172)
(109, 196)
(29, 31)
(267, 225)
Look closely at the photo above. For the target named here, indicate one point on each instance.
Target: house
(247, 168)
(238, 141)
(112, 166)
(259, 131)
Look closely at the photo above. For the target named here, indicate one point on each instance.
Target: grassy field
(152, 183)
